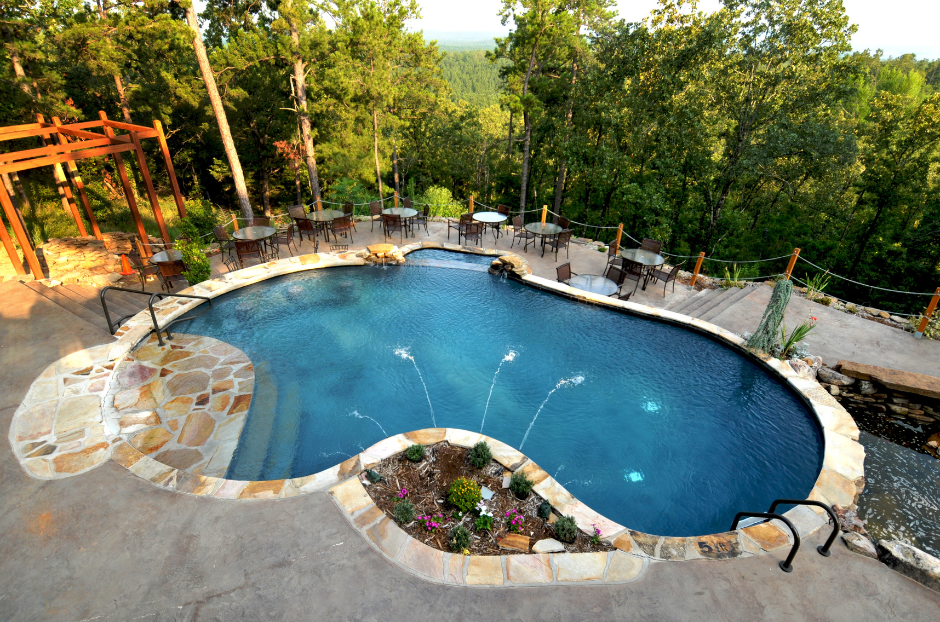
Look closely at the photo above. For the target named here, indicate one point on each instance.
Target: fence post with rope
(235, 222)
(796, 253)
(396, 198)
(471, 203)
(619, 235)
(698, 268)
(926, 319)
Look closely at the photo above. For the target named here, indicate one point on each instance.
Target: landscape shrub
(520, 484)
(545, 509)
(415, 453)
(480, 455)
(198, 265)
(404, 512)
(566, 529)
(459, 539)
(463, 494)
(373, 477)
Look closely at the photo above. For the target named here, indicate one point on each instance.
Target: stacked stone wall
(86, 260)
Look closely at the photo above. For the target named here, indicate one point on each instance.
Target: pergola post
(81, 188)
(11, 250)
(151, 191)
(64, 190)
(165, 150)
(128, 192)
(22, 237)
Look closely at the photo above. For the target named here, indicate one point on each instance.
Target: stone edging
(840, 481)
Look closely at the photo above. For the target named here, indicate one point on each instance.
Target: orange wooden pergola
(64, 144)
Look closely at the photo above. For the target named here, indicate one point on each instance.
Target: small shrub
(404, 512)
(480, 455)
(373, 477)
(545, 509)
(596, 536)
(515, 521)
(520, 484)
(484, 522)
(198, 267)
(459, 539)
(415, 453)
(851, 308)
(463, 494)
(566, 529)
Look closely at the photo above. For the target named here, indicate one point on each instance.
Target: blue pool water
(654, 426)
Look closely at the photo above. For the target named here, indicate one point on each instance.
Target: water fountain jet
(509, 358)
(561, 383)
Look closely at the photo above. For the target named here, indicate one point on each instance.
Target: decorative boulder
(831, 376)
(911, 562)
(857, 543)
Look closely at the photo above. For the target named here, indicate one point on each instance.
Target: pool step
(690, 304)
(725, 301)
(85, 302)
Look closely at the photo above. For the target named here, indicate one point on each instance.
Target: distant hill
(462, 41)
(472, 77)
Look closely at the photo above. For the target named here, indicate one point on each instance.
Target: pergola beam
(65, 157)
(77, 180)
(22, 238)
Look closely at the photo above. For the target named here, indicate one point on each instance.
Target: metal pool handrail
(785, 565)
(112, 326)
(824, 549)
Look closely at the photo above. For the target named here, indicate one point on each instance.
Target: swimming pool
(654, 426)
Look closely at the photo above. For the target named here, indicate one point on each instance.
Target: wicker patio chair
(248, 249)
(375, 213)
(558, 242)
(343, 225)
(564, 273)
(459, 225)
(392, 223)
(304, 225)
(666, 277)
(520, 232)
(406, 202)
(564, 223)
(171, 271)
(285, 237)
(350, 210)
(613, 255)
(651, 245)
(630, 271)
(422, 219)
(260, 221)
(473, 230)
(143, 269)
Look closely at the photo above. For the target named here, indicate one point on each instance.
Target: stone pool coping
(65, 407)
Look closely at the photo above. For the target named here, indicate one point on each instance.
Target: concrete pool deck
(108, 545)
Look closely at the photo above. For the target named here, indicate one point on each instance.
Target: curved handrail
(824, 549)
(785, 565)
(112, 326)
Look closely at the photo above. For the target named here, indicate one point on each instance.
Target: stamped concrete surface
(111, 546)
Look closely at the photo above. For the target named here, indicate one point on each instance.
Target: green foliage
(404, 512)
(198, 265)
(415, 453)
(566, 529)
(815, 285)
(480, 455)
(472, 77)
(441, 202)
(458, 539)
(765, 337)
(352, 190)
(789, 342)
(373, 476)
(463, 494)
(545, 509)
(733, 279)
(484, 522)
(201, 218)
(520, 484)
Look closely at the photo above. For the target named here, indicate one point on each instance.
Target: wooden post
(471, 203)
(165, 150)
(77, 179)
(698, 267)
(319, 204)
(926, 319)
(148, 182)
(396, 198)
(11, 250)
(63, 185)
(235, 221)
(544, 213)
(22, 237)
(619, 234)
(796, 253)
(128, 191)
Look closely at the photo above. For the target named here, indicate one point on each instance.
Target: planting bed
(427, 483)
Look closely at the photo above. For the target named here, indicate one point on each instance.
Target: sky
(895, 26)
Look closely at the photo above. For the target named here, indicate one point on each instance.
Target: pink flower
(402, 493)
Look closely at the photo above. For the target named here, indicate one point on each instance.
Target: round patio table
(543, 230)
(593, 283)
(491, 219)
(404, 212)
(323, 218)
(254, 233)
(167, 255)
(649, 259)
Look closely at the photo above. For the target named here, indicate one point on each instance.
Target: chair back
(171, 268)
(426, 213)
(392, 221)
(341, 223)
(518, 223)
(285, 235)
(563, 238)
(248, 248)
(406, 202)
(613, 249)
(615, 274)
(674, 272)
(348, 208)
(502, 209)
(135, 259)
(339, 248)
(632, 270)
(221, 235)
(651, 245)
(466, 219)
(260, 221)
(297, 211)
(563, 222)
(375, 208)
(563, 272)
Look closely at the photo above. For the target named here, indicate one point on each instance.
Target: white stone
(548, 545)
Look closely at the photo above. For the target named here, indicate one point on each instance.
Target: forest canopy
(742, 133)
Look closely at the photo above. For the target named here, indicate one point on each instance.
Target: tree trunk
(527, 124)
(294, 167)
(21, 190)
(228, 144)
(266, 191)
(569, 112)
(122, 94)
(395, 165)
(300, 83)
(17, 66)
(509, 139)
(375, 149)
